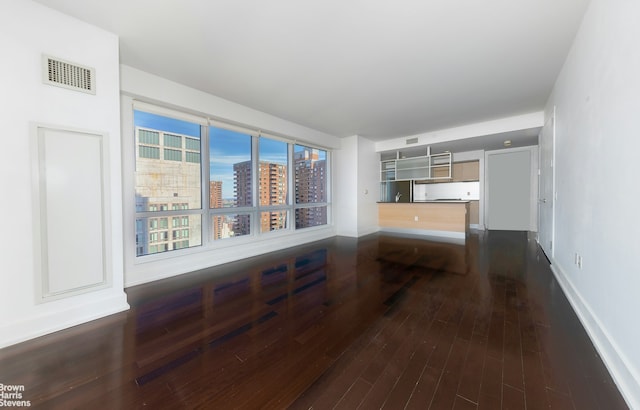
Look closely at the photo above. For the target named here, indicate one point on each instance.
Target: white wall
(357, 188)
(368, 186)
(153, 89)
(346, 187)
(27, 30)
(597, 96)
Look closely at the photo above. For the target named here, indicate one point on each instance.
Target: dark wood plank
(340, 323)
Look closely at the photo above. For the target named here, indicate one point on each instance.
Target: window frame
(207, 242)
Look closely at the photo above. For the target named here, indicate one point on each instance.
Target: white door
(546, 223)
(508, 188)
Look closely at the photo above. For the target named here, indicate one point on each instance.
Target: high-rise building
(242, 183)
(215, 194)
(272, 190)
(174, 160)
(311, 183)
(215, 201)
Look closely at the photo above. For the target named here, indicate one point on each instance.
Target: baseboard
(625, 377)
(368, 231)
(46, 322)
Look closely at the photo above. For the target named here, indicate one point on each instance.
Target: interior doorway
(509, 202)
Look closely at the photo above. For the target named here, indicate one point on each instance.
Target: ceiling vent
(68, 75)
(412, 140)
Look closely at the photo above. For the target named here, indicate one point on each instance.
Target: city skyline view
(169, 178)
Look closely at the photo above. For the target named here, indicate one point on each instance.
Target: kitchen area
(425, 193)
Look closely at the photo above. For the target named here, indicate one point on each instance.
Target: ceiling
(376, 68)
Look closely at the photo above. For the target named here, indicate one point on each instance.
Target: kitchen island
(447, 219)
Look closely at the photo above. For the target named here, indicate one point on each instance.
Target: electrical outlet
(415, 218)
(579, 262)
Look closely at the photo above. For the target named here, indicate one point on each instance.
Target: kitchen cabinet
(432, 217)
(388, 170)
(466, 171)
(412, 168)
(474, 212)
(428, 167)
(440, 167)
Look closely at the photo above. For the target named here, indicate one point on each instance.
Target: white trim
(39, 176)
(48, 322)
(541, 173)
(167, 112)
(235, 128)
(626, 378)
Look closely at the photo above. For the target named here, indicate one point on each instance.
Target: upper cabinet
(412, 168)
(440, 167)
(428, 167)
(466, 171)
(388, 170)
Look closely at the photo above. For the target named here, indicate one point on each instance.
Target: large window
(197, 184)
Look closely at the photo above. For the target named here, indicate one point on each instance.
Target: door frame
(547, 170)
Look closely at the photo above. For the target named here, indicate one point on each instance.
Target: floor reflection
(284, 329)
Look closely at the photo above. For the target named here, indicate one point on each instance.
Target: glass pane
(272, 221)
(193, 157)
(172, 155)
(272, 172)
(171, 140)
(149, 137)
(308, 217)
(165, 180)
(155, 235)
(192, 144)
(230, 225)
(149, 152)
(229, 169)
(311, 174)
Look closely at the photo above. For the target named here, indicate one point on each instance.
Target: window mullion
(292, 188)
(206, 192)
(255, 181)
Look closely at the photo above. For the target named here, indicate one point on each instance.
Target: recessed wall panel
(72, 252)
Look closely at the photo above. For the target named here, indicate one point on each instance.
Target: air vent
(412, 140)
(68, 75)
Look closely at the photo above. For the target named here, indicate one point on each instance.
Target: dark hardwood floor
(380, 322)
